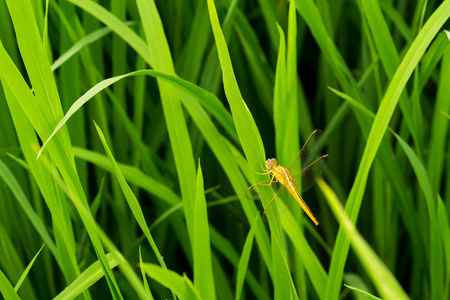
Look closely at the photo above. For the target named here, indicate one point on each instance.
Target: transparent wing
(280, 203)
(310, 174)
(308, 165)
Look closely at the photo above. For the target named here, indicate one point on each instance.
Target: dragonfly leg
(272, 180)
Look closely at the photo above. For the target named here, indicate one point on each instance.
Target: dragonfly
(304, 167)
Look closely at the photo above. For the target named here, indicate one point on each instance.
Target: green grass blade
(11, 181)
(439, 127)
(42, 110)
(144, 277)
(203, 276)
(89, 276)
(25, 272)
(180, 285)
(362, 292)
(131, 199)
(175, 121)
(131, 174)
(245, 257)
(7, 289)
(379, 126)
(444, 226)
(383, 279)
(117, 26)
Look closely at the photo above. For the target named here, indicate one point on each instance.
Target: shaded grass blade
(245, 257)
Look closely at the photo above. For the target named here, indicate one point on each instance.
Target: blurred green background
(188, 99)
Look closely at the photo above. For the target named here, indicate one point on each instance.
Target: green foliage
(118, 203)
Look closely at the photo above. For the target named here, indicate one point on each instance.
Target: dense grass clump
(130, 132)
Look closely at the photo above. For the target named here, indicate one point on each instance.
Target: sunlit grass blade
(364, 293)
(203, 276)
(89, 276)
(383, 279)
(6, 289)
(43, 108)
(180, 285)
(245, 125)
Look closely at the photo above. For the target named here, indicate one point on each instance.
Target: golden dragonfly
(304, 166)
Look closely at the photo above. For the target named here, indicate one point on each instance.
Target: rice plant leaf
(248, 134)
(311, 263)
(89, 276)
(245, 257)
(131, 174)
(116, 25)
(207, 99)
(362, 292)
(436, 259)
(144, 277)
(203, 275)
(131, 198)
(180, 285)
(386, 284)
(26, 271)
(6, 289)
(43, 108)
(12, 183)
(378, 129)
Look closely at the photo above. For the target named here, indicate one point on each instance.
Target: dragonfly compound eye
(271, 162)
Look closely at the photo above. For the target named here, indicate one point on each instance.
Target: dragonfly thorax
(271, 163)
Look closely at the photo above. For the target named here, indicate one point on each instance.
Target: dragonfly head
(271, 163)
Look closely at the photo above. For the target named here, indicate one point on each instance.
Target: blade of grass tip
(89, 276)
(131, 198)
(386, 284)
(366, 294)
(203, 274)
(144, 277)
(224, 247)
(180, 285)
(27, 270)
(357, 281)
(6, 288)
(245, 257)
(384, 114)
(126, 269)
